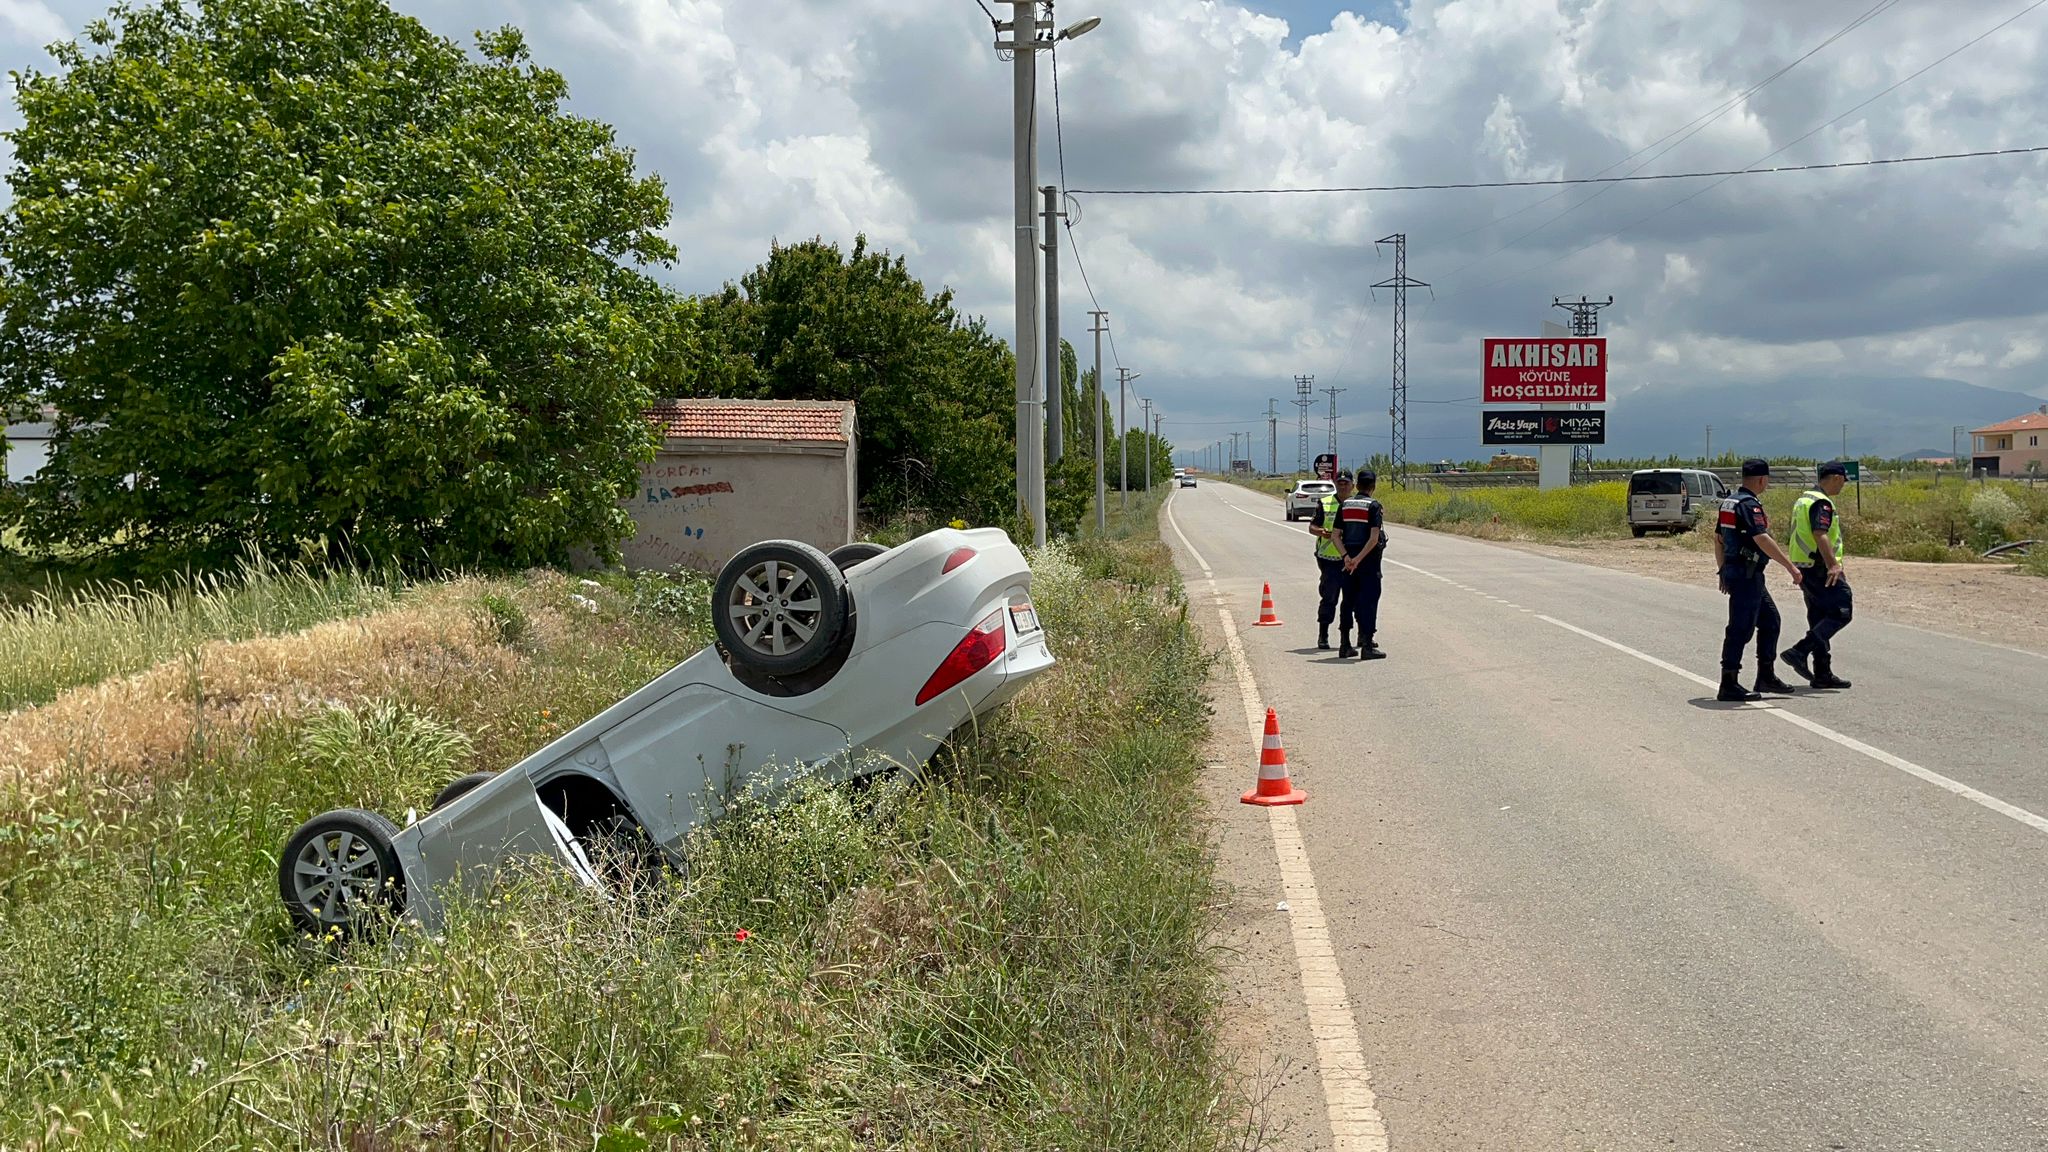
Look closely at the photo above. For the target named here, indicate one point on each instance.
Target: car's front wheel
(339, 870)
(779, 607)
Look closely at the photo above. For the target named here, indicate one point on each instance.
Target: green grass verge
(1006, 952)
(51, 641)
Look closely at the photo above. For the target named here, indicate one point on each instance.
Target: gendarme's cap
(1831, 468)
(1756, 467)
(1367, 476)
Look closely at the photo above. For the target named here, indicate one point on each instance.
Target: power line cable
(1809, 134)
(1725, 173)
(1059, 133)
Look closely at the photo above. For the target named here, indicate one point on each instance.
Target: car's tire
(779, 607)
(1638, 530)
(339, 871)
(457, 788)
(858, 552)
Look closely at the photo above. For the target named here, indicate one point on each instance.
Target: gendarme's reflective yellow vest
(1330, 547)
(1804, 548)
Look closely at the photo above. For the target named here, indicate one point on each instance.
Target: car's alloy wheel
(339, 869)
(780, 606)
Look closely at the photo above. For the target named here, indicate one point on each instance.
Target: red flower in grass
(743, 935)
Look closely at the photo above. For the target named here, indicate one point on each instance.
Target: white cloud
(31, 22)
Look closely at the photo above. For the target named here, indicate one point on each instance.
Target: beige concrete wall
(698, 506)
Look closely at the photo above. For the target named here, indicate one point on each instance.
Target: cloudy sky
(792, 118)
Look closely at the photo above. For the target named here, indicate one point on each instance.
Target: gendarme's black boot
(1732, 691)
(1767, 681)
(1344, 649)
(1323, 638)
(1824, 673)
(1795, 658)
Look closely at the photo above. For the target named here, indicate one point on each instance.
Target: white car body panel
(675, 749)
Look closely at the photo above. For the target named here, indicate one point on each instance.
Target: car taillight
(956, 558)
(983, 644)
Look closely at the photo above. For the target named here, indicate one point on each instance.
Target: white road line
(2038, 823)
(1189, 544)
(1353, 1110)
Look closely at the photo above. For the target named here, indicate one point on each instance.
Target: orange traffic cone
(1266, 618)
(1274, 787)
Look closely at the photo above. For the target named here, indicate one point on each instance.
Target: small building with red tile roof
(2015, 447)
(733, 472)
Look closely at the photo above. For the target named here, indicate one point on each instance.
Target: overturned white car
(846, 664)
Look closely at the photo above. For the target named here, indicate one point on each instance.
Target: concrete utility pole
(1028, 36)
(1055, 370)
(1095, 418)
(1710, 446)
(1845, 443)
(1124, 376)
(1146, 441)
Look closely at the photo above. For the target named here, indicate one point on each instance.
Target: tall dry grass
(55, 641)
(1005, 951)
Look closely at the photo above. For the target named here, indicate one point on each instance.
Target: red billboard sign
(1533, 370)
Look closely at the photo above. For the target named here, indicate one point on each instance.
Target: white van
(1671, 499)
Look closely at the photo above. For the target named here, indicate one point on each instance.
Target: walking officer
(1742, 545)
(1816, 547)
(1330, 558)
(1365, 546)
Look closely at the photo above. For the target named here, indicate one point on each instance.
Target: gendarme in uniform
(1330, 559)
(1742, 547)
(1365, 546)
(1816, 548)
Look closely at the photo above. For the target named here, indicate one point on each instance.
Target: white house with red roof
(2015, 447)
(733, 472)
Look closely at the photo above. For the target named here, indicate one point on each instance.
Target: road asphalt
(1578, 904)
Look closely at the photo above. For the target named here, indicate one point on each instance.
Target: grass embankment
(1003, 953)
(1917, 520)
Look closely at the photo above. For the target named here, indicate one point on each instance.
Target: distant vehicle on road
(1182, 478)
(1307, 496)
(1670, 499)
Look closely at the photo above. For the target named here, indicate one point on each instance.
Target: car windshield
(1656, 484)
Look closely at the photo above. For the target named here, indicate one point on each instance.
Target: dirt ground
(1990, 602)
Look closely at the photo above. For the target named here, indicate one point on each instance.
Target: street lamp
(1028, 37)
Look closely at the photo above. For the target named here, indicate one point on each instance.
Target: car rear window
(1316, 486)
(1656, 484)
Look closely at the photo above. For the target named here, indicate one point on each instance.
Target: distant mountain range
(1799, 417)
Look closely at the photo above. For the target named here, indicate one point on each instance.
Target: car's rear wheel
(1638, 530)
(339, 870)
(779, 607)
(457, 788)
(858, 552)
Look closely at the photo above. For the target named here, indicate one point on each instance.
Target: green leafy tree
(299, 270)
(934, 390)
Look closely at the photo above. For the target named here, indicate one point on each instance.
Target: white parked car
(1307, 496)
(1671, 499)
(847, 665)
